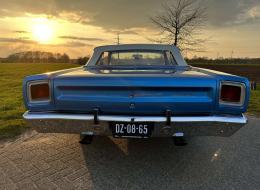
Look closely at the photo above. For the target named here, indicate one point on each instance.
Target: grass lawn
(254, 106)
(11, 102)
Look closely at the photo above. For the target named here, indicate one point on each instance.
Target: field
(251, 71)
(11, 103)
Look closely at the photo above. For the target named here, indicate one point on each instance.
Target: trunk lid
(135, 93)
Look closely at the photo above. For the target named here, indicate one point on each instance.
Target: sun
(42, 31)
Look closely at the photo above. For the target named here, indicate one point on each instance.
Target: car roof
(135, 47)
(124, 47)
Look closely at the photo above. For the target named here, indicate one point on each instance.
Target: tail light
(232, 93)
(39, 91)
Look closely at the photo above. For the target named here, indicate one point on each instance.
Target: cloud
(81, 38)
(21, 32)
(254, 12)
(123, 14)
(118, 14)
(25, 40)
(231, 12)
(250, 15)
(69, 44)
(76, 44)
(131, 31)
(17, 40)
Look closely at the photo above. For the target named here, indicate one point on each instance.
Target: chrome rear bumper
(189, 125)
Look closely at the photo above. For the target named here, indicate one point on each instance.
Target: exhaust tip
(178, 134)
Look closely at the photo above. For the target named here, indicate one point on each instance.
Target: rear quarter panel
(42, 77)
(221, 76)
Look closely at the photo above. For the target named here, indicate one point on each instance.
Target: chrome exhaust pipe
(178, 134)
(179, 139)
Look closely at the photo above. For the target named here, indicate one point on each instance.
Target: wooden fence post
(253, 85)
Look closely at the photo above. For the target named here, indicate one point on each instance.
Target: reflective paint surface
(138, 91)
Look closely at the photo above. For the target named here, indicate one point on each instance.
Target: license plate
(131, 129)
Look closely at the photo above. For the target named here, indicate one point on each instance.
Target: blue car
(136, 91)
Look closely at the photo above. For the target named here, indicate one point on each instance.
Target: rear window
(136, 58)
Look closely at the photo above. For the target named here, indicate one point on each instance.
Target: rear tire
(180, 141)
(86, 139)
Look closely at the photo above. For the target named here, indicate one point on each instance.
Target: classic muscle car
(136, 91)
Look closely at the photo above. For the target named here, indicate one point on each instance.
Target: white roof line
(160, 47)
(135, 46)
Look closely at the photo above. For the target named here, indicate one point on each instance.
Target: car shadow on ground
(108, 163)
(151, 163)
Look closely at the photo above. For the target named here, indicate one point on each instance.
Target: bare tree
(181, 23)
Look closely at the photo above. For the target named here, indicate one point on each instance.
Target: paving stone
(25, 166)
(3, 160)
(18, 177)
(58, 165)
(75, 165)
(4, 179)
(49, 159)
(84, 183)
(9, 186)
(62, 174)
(64, 184)
(45, 184)
(38, 176)
(14, 156)
(49, 172)
(24, 175)
(41, 165)
(77, 174)
(26, 184)
(67, 158)
(102, 184)
(9, 169)
(58, 161)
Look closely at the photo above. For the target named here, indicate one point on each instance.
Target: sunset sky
(76, 26)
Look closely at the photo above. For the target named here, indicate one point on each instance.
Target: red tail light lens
(232, 93)
(39, 91)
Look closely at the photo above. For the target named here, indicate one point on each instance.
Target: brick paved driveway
(57, 161)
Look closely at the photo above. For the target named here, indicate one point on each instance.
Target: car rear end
(137, 91)
(137, 105)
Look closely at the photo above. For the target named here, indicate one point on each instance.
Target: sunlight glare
(42, 30)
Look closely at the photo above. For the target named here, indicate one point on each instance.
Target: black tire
(180, 141)
(86, 139)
